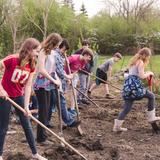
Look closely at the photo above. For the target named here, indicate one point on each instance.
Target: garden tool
(106, 82)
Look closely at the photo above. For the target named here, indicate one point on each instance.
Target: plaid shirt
(59, 62)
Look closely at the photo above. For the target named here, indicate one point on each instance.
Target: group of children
(53, 78)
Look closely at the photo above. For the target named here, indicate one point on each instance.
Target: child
(84, 78)
(44, 82)
(16, 82)
(67, 117)
(104, 72)
(134, 90)
(76, 63)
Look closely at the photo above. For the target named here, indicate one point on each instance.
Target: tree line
(121, 26)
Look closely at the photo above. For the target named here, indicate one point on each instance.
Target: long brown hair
(143, 54)
(26, 50)
(50, 42)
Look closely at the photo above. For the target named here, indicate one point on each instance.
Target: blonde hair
(143, 54)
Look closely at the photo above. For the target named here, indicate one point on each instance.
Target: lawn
(153, 66)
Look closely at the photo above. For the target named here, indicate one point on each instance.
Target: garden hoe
(106, 82)
(87, 97)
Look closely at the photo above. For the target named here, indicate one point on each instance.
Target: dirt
(99, 142)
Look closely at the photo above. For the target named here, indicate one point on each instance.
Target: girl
(133, 89)
(16, 82)
(44, 81)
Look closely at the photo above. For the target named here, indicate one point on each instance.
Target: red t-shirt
(75, 63)
(15, 77)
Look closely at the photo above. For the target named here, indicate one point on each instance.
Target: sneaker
(109, 96)
(84, 101)
(38, 157)
(74, 124)
(1, 158)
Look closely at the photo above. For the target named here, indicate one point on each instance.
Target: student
(17, 81)
(134, 90)
(44, 82)
(67, 116)
(84, 77)
(104, 72)
(76, 63)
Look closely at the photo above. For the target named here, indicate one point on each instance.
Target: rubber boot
(151, 116)
(117, 126)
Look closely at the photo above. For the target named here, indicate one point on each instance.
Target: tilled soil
(99, 142)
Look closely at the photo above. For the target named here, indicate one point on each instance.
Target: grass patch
(153, 66)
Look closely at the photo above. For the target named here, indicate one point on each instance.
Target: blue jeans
(67, 117)
(5, 108)
(128, 105)
(83, 78)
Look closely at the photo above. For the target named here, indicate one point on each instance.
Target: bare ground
(99, 142)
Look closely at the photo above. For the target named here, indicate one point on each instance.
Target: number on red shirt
(19, 76)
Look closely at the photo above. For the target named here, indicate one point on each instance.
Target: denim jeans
(5, 108)
(43, 98)
(83, 78)
(67, 117)
(128, 105)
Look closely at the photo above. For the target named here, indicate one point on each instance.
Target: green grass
(153, 66)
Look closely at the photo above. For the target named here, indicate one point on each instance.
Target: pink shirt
(75, 63)
(15, 77)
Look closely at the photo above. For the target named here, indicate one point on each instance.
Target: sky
(92, 6)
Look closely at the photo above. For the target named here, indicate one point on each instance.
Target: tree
(68, 3)
(2, 12)
(37, 11)
(13, 19)
(132, 12)
(83, 10)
